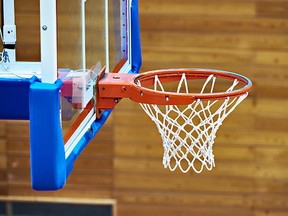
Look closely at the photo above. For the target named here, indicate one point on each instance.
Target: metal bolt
(44, 27)
(123, 89)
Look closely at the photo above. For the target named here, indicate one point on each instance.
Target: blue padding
(14, 96)
(135, 37)
(47, 156)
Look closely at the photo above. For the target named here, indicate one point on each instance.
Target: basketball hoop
(187, 106)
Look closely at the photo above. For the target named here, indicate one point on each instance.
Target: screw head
(44, 27)
(123, 89)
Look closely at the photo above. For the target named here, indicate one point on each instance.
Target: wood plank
(272, 9)
(2, 129)
(27, 7)
(275, 107)
(93, 164)
(216, 40)
(3, 145)
(18, 162)
(101, 180)
(216, 55)
(271, 186)
(4, 188)
(18, 145)
(144, 135)
(3, 161)
(263, 74)
(273, 91)
(272, 122)
(28, 27)
(17, 129)
(271, 57)
(170, 182)
(154, 210)
(213, 24)
(210, 200)
(67, 191)
(104, 180)
(28, 53)
(265, 211)
(212, 8)
(266, 155)
(3, 176)
(196, 55)
(99, 148)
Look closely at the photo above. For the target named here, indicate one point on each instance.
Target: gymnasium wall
(124, 161)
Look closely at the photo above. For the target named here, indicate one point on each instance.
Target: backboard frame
(51, 161)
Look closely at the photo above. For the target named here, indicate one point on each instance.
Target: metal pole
(48, 31)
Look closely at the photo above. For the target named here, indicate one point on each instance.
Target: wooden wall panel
(3, 158)
(124, 162)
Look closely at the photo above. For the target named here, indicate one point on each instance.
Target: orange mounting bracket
(111, 88)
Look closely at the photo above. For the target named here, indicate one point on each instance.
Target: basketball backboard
(79, 39)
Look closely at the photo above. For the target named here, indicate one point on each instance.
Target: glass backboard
(91, 35)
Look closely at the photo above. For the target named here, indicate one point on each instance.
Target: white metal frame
(48, 29)
(127, 66)
(107, 36)
(83, 35)
(9, 28)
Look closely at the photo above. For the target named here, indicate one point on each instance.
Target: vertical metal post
(48, 31)
(107, 34)
(9, 29)
(83, 28)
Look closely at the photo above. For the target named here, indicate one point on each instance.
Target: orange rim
(142, 94)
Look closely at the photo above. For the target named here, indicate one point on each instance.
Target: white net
(188, 131)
